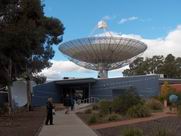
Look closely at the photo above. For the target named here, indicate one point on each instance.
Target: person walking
(49, 108)
(72, 102)
(67, 103)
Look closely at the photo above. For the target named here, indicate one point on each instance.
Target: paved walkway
(131, 121)
(66, 125)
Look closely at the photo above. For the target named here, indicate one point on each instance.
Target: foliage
(113, 117)
(39, 79)
(132, 132)
(128, 99)
(179, 110)
(159, 98)
(92, 119)
(169, 66)
(105, 106)
(26, 38)
(96, 107)
(141, 66)
(165, 89)
(88, 111)
(139, 110)
(154, 104)
(162, 132)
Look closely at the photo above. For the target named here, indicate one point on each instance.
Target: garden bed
(169, 124)
(107, 118)
(23, 123)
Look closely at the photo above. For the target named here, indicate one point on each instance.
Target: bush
(132, 132)
(105, 107)
(88, 111)
(137, 111)
(125, 101)
(163, 132)
(92, 119)
(95, 107)
(113, 117)
(154, 104)
(179, 110)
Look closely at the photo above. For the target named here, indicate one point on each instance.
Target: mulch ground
(23, 123)
(171, 124)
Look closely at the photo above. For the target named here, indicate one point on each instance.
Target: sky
(154, 22)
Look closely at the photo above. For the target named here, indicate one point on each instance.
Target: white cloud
(159, 46)
(107, 18)
(162, 46)
(60, 67)
(125, 20)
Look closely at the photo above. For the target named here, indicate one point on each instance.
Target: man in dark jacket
(50, 108)
(67, 103)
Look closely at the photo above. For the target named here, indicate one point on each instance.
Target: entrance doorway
(80, 91)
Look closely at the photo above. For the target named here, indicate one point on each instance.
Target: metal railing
(88, 100)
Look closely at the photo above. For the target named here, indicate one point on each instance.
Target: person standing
(49, 108)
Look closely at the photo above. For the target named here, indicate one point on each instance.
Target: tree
(169, 68)
(39, 79)
(155, 64)
(26, 38)
(165, 89)
(178, 65)
(138, 67)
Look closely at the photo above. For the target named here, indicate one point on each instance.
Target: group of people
(69, 103)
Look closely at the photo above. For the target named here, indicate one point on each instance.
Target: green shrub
(125, 101)
(163, 132)
(105, 107)
(113, 117)
(179, 110)
(154, 104)
(159, 98)
(93, 119)
(88, 111)
(132, 132)
(137, 111)
(95, 107)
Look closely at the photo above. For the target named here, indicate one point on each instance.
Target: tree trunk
(28, 94)
(9, 87)
(9, 99)
(165, 103)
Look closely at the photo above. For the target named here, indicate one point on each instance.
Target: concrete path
(66, 125)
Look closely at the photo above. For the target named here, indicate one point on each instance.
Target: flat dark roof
(170, 80)
(75, 81)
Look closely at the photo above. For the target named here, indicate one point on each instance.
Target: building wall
(145, 86)
(42, 92)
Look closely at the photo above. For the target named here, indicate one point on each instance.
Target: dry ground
(23, 123)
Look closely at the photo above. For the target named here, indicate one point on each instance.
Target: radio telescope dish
(103, 52)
